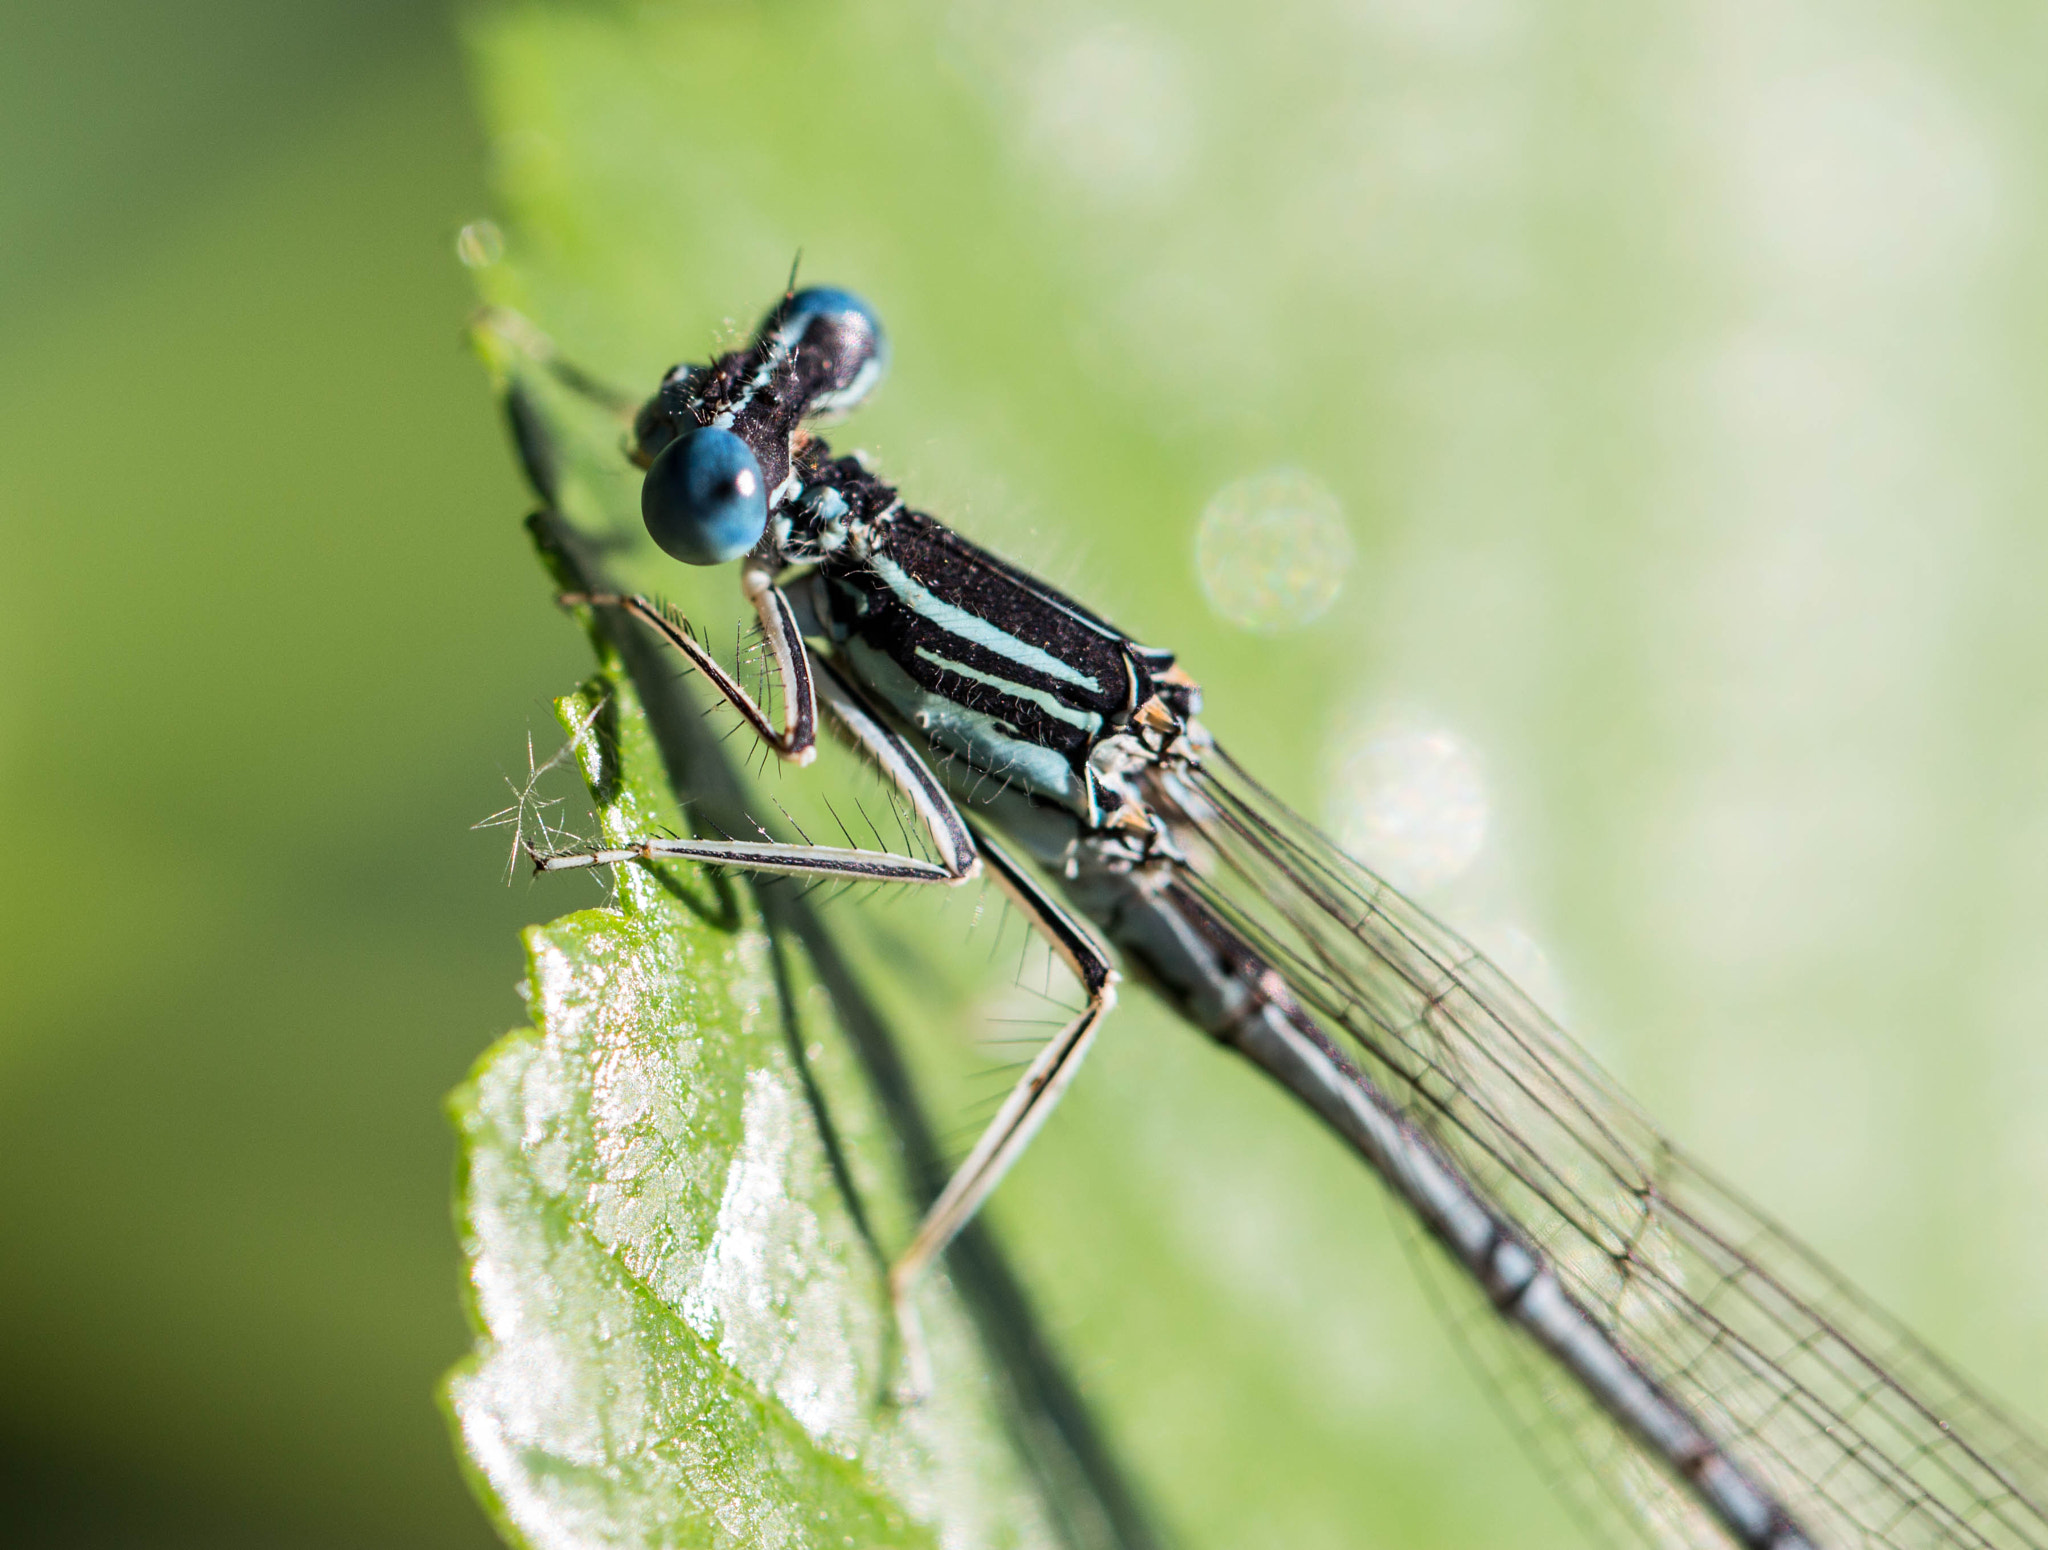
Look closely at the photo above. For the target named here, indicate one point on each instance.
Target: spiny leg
(846, 863)
(797, 739)
(959, 856)
(1046, 1078)
(1030, 1102)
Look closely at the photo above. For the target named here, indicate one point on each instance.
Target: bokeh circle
(1272, 551)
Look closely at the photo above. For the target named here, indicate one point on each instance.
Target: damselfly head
(717, 440)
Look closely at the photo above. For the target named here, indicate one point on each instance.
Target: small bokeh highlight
(1272, 551)
(480, 244)
(1409, 803)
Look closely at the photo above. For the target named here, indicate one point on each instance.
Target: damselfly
(1730, 1386)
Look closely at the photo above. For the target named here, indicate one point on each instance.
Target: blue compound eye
(703, 498)
(839, 337)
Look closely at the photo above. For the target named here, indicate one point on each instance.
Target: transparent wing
(1611, 1487)
(1868, 1436)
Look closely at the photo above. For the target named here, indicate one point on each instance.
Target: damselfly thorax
(1013, 680)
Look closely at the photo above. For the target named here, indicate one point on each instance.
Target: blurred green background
(1678, 374)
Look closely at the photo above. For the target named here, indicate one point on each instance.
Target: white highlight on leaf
(768, 1294)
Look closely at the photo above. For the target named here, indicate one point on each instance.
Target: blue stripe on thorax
(1086, 720)
(980, 739)
(955, 620)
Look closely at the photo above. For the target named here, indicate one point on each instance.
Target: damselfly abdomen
(1732, 1387)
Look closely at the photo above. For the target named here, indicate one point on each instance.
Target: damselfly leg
(1030, 1102)
(797, 740)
